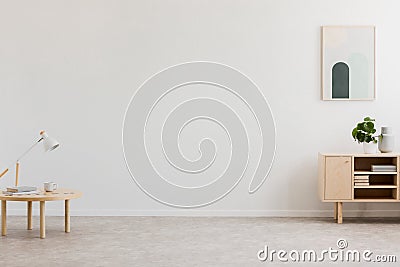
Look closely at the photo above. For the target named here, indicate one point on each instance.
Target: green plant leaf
(360, 137)
(368, 119)
(354, 133)
(369, 127)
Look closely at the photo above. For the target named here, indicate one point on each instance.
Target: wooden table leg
(335, 211)
(3, 217)
(29, 215)
(67, 217)
(42, 220)
(340, 212)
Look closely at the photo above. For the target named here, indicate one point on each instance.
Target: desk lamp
(49, 145)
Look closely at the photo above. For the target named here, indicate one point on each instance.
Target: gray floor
(188, 241)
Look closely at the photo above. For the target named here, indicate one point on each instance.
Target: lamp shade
(48, 142)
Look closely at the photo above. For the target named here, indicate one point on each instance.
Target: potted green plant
(364, 133)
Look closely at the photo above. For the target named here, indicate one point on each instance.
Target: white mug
(50, 186)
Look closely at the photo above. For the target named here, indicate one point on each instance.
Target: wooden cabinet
(340, 175)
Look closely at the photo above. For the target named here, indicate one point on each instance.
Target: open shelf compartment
(382, 179)
(363, 164)
(375, 193)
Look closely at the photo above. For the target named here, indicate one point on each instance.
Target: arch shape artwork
(340, 80)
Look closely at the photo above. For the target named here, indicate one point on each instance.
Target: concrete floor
(188, 241)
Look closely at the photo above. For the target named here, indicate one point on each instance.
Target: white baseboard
(213, 213)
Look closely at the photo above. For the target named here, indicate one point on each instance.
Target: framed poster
(348, 63)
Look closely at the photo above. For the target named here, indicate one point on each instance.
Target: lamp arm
(4, 172)
(29, 149)
(22, 155)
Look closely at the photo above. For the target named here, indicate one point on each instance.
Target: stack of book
(361, 180)
(20, 190)
(383, 168)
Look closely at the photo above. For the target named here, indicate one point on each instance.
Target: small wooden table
(42, 197)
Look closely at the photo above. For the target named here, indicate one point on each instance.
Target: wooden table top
(59, 194)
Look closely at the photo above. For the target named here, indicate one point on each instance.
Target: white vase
(370, 148)
(386, 140)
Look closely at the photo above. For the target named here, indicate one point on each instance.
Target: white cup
(50, 186)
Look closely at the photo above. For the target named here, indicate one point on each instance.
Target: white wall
(70, 67)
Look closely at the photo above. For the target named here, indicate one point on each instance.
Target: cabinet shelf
(373, 173)
(380, 199)
(375, 186)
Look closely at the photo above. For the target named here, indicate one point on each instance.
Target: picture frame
(348, 63)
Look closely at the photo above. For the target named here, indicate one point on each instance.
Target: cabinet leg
(335, 211)
(3, 217)
(340, 212)
(42, 220)
(29, 215)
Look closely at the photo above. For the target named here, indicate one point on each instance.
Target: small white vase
(386, 140)
(370, 148)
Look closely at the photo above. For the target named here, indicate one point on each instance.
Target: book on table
(20, 193)
(20, 189)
